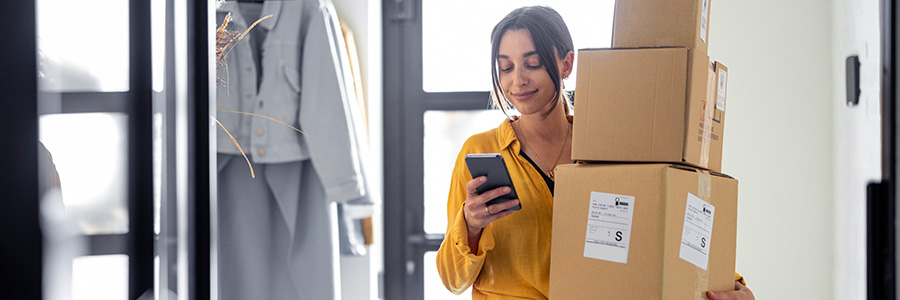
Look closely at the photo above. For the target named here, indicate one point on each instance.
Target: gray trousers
(276, 233)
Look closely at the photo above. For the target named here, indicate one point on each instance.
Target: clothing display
(278, 233)
(513, 255)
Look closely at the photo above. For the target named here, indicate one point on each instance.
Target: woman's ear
(567, 65)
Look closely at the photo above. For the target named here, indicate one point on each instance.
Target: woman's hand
(740, 292)
(478, 214)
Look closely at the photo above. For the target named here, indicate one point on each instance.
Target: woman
(506, 254)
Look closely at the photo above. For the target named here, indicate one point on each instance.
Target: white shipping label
(720, 91)
(609, 227)
(704, 19)
(698, 225)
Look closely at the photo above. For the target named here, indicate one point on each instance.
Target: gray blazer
(303, 82)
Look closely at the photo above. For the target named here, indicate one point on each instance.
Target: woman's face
(523, 78)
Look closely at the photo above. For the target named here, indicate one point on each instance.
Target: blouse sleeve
(458, 265)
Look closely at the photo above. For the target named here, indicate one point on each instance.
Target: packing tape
(702, 280)
(704, 191)
(704, 185)
(709, 110)
(704, 145)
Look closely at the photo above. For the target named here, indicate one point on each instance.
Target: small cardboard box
(642, 231)
(644, 105)
(662, 23)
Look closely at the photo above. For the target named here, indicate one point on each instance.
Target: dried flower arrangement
(225, 41)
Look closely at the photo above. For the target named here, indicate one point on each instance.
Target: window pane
(158, 42)
(445, 133)
(434, 287)
(456, 44)
(83, 45)
(89, 151)
(102, 277)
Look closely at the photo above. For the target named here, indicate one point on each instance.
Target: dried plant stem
(253, 25)
(261, 116)
(225, 42)
(238, 38)
(224, 23)
(252, 174)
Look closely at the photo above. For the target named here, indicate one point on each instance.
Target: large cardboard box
(662, 23)
(642, 231)
(646, 105)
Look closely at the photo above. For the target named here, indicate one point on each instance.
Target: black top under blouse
(550, 183)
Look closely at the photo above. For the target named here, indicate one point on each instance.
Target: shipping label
(698, 225)
(609, 227)
(720, 91)
(704, 19)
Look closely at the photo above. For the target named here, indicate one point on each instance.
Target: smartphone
(492, 166)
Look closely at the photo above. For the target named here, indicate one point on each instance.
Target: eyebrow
(526, 55)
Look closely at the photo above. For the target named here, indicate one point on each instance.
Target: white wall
(857, 140)
(778, 141)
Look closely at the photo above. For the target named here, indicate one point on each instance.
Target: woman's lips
(524, 96)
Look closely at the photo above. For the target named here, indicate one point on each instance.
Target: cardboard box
(642, 231)
(642, 105)
(662, 23)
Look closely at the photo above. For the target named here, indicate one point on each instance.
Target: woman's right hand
(478, 213)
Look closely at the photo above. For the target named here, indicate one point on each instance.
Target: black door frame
(139, 103)
(881, 207)
(22, 252)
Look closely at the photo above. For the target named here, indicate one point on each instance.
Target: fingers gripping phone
(492, 166)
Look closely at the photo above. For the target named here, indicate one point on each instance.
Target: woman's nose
(521, 77)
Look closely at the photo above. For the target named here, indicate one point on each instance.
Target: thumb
(717, 296)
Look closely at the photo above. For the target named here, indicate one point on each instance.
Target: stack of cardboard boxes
(645, 213)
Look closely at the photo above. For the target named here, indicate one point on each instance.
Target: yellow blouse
(513, 259)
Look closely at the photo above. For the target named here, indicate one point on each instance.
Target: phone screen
(493, 167)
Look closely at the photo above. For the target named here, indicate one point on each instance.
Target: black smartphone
(492, 166)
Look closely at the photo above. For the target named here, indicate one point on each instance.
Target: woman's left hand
(740, 292)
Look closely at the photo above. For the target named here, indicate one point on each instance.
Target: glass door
(94, 119)
(113, 98)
